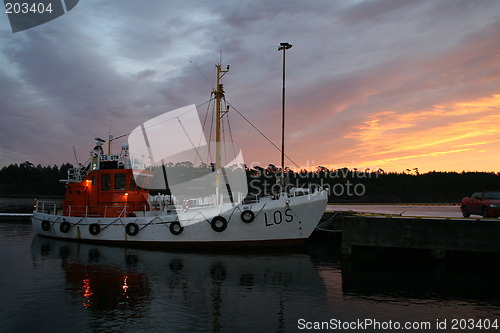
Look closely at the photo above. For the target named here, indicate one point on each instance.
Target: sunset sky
(388, 84)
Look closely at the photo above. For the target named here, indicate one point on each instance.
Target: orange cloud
(462, 136)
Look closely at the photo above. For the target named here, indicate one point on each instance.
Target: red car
(486, 204)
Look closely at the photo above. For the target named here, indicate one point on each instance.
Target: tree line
(377, 186)
(344, 185)
(26, 179)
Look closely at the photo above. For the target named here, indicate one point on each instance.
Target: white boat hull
(284, 221)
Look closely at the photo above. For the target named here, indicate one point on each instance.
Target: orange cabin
(108, 193)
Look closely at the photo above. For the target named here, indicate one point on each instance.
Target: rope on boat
(104, 226)
(232, 213)
(165, 223)
(327, 222)
(318, 227)
(189, 220)
(328, 230)
(261, 210)
(144, 225)
(77, 223)
(157, 217)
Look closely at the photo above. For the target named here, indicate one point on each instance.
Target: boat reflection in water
(106, 283)
(133, 289)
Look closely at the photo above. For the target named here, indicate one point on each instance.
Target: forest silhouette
(345, 185)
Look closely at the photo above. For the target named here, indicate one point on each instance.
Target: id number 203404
(25, 8)
(474, 324)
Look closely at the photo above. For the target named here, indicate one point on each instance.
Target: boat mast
(219, 94)
(283, 47)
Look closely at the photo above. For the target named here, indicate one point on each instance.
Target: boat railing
(290, 192)
(47, 207)
(118, 211)
(76, 175)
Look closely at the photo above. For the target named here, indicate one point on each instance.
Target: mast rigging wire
(260, 132)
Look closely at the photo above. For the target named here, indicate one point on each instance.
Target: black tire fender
(485, 212)
(247, 216)
(176, 228)
(65, 226)
(94, 229)
(465, 211)
(45, 225)
(215, 223)
(132, 229)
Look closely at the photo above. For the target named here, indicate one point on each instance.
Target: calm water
(57, 286)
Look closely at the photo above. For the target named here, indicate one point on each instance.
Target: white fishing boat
(109, 201)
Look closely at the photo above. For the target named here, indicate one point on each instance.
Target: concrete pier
(437, 236)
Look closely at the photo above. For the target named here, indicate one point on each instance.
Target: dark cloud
(63, 82)
(374, 11)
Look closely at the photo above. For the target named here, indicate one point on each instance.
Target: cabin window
(94, 179)
(132, 183)
(105, 182)
(120, 182)
(106, 165)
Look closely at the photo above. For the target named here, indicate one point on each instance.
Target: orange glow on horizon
(463, 136)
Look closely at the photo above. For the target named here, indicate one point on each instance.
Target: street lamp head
(284, 46)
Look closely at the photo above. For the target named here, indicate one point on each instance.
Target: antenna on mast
(110, 138)
(76, 158)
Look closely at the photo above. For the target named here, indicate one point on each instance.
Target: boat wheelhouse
(107, 187)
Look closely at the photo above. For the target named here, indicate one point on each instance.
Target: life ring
(247, 216)
(132, 229)
(215, 223)
(45, 225)
(94, 229)
(176, 228)
(65, 226)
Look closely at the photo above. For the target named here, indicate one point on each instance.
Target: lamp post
(283, 47)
